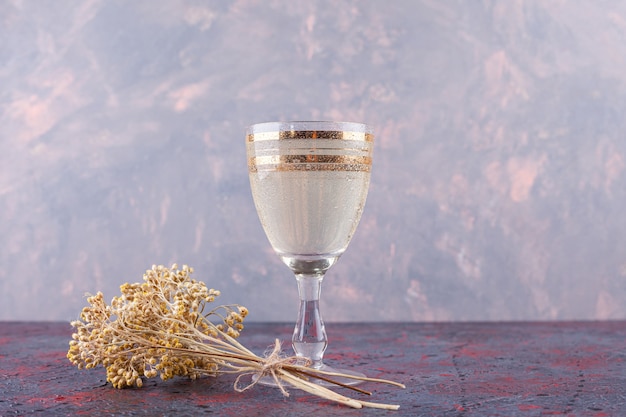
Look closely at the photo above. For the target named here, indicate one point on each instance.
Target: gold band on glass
(309, 163)
(310, 167)
(310, 134)
(309, 159)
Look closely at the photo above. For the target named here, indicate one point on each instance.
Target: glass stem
(309, 336)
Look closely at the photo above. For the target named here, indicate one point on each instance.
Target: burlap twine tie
(274, 361)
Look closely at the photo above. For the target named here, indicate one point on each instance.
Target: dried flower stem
(159, 327)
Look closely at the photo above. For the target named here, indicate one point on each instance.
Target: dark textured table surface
(450, 369)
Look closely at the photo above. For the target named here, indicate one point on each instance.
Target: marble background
(498, 188)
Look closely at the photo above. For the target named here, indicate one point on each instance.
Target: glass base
(269, 381)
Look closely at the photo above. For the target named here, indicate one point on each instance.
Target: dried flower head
(164, 327)
(134, 336)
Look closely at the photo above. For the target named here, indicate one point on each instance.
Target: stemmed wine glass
(309, 182)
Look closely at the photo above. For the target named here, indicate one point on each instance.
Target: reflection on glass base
(271, 382)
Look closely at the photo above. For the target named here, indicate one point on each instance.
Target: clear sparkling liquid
(309, 212)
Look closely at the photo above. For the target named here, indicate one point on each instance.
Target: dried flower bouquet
(163, 327)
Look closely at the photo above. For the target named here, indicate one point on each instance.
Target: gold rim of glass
(309, 130)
